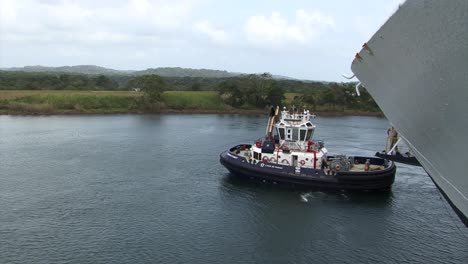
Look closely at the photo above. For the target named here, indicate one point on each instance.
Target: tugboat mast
(271, 122)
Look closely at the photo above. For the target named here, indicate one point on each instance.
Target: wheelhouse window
(310, 132)
(302, 134)
(281, 133)
(295, 134)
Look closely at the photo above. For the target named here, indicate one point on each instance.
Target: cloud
(276, 31)
(23, 21)
(217, 36)
(7, 11)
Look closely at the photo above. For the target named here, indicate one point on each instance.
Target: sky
(304, 39)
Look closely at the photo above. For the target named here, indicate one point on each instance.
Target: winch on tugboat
(288, 154)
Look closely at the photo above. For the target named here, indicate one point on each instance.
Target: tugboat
(287, 154)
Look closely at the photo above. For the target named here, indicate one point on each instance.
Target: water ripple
(150, 189)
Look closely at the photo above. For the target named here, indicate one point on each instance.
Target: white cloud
(217, 36)
(87, 21)
(276, 31)
(161, 14)
(7, 11)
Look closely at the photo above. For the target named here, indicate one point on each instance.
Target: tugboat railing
(293, 145)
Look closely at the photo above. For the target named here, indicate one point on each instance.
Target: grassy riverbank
(46, 102)
(58, 102)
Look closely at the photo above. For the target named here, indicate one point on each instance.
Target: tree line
(257, 91)
(243, 91)
(252, 91)
(53, 81)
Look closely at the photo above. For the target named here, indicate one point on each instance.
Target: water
(150, 189)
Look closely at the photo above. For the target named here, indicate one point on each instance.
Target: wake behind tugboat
(287, 154)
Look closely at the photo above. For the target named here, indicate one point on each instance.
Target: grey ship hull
(416, 69)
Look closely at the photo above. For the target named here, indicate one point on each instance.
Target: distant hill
(162, 71)
(97, 70)
(80, 69)
(186, 72)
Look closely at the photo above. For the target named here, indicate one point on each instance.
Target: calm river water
(150, 189)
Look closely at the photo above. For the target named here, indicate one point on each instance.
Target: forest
(245, 91)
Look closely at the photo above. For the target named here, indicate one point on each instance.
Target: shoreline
(185, 112)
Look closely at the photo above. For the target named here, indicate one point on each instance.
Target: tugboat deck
(355, 167)
(372, 167)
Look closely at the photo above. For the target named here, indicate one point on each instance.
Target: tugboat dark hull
(308, 177)
(410, 160)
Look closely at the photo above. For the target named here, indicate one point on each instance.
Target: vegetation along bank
(69, 93)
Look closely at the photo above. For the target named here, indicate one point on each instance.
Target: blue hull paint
(350, 180)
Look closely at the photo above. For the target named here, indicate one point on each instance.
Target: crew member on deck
(392, 136)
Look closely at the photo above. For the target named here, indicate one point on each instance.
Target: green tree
(195, 86)
(338, 95)
(367, 102)
(350, 97)
(231, 94)
(256, 88)
(310, 99)
(153, 86)
(328, 98)
(275, 94)
(104, 82)
(253, 90)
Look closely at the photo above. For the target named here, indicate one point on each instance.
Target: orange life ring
(285, 161)
(337, 167)
(302, 162)
(272, 159)
(265, 159)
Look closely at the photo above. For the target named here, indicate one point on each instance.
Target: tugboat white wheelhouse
(287, 154)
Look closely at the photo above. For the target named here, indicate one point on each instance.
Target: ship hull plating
(415, 68)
